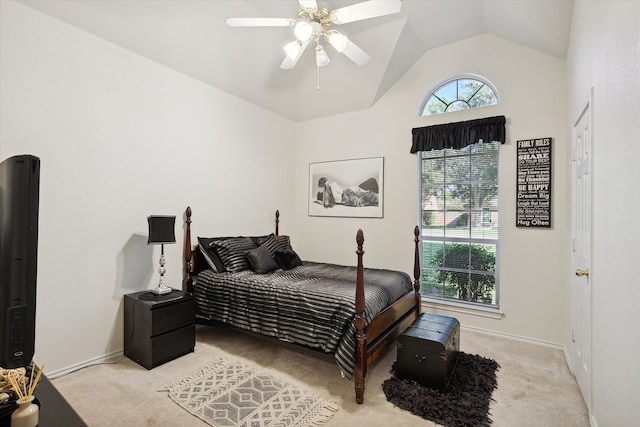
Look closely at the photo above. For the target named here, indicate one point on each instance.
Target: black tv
(19, 204)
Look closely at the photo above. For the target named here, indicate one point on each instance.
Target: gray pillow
(261, 260)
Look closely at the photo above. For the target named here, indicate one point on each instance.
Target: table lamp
(161, 231)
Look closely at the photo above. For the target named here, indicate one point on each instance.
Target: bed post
(277, 222)
(187, 281)
(360, 371)
(417, 269)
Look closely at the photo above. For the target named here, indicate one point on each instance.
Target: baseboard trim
(112, 357)
(543, 343)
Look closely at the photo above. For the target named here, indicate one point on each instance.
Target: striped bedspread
(312, 305)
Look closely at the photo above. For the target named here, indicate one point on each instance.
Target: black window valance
(458, 135)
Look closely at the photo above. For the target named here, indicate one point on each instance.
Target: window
(459, 226)
(460, 93)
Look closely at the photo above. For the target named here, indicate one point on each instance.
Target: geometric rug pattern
(228, 394)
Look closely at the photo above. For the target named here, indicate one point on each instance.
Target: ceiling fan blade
(308, 4)
(354, 53)
(260, 22)
(365, 10)
(291, 61)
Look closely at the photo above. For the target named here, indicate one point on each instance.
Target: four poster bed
(259, 284)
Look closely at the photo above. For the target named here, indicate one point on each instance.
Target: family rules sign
(533, 205)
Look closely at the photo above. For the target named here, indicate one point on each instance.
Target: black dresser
(54, 411)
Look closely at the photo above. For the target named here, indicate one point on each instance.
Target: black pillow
(261, 260)
(287, 259)
(209, 253)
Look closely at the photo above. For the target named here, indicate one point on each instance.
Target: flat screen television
(19, 204)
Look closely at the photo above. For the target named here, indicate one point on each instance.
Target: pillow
(261, 260)
(287, 259)
(277, 243)
(209, 253)
(261, 239)
(232, 252)
(199, 263)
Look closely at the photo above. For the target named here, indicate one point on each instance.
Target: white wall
(121, 137)
(604, 54)
(533, 262)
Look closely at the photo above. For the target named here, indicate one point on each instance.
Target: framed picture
(533, 202)
(347, 188)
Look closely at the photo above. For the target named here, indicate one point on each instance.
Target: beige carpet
(535, 387)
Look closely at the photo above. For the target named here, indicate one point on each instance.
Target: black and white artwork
(347, 188)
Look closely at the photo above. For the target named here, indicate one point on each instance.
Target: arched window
(459, 93)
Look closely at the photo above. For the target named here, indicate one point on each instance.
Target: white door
(581, 255)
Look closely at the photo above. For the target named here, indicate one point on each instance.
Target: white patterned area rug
(234, 394)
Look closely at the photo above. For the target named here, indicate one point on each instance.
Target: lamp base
(161, 290)
(162, 286)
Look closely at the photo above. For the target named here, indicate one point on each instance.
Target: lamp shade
(303, 31)
(322, 58)
(161, 229)
(293, 49)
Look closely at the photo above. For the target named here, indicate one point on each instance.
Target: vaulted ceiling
(191, 36)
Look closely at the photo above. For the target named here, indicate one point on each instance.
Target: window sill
(491, 313)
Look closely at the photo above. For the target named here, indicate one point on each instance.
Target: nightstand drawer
(167, 318)
(172, 345)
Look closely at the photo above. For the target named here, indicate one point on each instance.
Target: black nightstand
(158, 328)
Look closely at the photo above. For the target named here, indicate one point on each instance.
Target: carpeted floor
(535, 387)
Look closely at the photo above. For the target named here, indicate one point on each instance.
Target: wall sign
(533, 205)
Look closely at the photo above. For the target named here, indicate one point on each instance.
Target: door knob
(581, 273)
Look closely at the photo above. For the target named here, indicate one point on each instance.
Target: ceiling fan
(313, 24)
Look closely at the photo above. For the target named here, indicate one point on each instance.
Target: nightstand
(158, 328)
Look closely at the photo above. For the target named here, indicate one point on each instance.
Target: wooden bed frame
(372, 340)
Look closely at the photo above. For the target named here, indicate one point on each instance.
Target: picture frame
(533, 197)
(347, 188)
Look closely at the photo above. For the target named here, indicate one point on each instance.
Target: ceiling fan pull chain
(317, 78)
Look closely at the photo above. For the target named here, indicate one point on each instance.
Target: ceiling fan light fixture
(293, 49)
(337, 40)
(322, 58)
(312, 24)
(289, 62)
(303, 31)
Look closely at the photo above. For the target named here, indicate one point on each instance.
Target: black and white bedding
(311, 304)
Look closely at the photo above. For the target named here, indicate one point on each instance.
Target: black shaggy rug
(465, 401)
